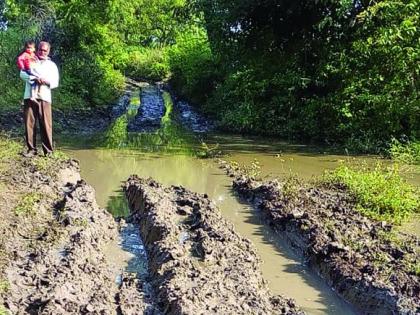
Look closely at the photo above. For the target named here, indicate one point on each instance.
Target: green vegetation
(3, 311)
(4, 286)
(380, 193)
(43, 163)
(94, 45)
(405, 152)
(169, 138)
(415, 269)
(206, 151)
(337, 72)
(9, 149)
(118, 206)
(27, 205)
(116, 136)
(329, 71)
(291, 187)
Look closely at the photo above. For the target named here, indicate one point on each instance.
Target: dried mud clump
(362, 259)
(51, 246)
(198, 263)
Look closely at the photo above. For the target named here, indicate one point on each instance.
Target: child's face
(30, 48)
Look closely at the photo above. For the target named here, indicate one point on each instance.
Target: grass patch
(3, 310)
(9, 148)
(26, 206)
(4, 286)
(405, 152)
(44, 163)
(380, 192)
(9, 151)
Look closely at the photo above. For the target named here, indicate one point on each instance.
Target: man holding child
(37, 108)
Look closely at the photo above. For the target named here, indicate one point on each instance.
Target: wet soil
(51, 250)
(191, 119)
(151, 111)
(364, 260)
(198, 263)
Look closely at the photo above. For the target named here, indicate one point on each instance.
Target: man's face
(43, 51)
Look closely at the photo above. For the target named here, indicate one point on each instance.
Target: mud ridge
(191, 119)
(151, 111)
(198, 263)
(357, 256)
(57, 265)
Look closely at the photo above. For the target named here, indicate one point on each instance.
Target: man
(40, 111)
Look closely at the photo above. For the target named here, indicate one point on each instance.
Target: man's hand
(42, 81)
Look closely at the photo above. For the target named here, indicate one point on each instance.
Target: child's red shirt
(26, 59)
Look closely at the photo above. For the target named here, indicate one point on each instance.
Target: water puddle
(126, 253)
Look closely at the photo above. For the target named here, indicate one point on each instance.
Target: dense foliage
(94, 43)
(332, 71)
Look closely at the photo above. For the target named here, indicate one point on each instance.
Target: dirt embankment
(198, 263)
(51, 245)
(75, 120)
(363, 260)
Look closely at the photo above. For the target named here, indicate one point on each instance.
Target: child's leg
(34, 86)
(34, 91)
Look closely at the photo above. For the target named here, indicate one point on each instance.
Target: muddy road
(367, 262)
(197, 261)
(51, 248)
(53, 260)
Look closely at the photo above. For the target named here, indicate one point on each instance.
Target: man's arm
(53, 76)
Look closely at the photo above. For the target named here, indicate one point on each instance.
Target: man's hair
(44, 43)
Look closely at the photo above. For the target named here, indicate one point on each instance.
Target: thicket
(333, 71)
(342, 72)
(95, 44)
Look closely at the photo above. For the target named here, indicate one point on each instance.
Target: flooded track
(146, 154)
(281, 268)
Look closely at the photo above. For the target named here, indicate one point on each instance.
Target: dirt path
(198, 263)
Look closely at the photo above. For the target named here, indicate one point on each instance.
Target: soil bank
(360, 258)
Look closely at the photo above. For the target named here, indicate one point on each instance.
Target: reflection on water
(131, 242)
(127, 253)
(106, 169)
(168, 137)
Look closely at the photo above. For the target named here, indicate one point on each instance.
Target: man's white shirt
(47, 70)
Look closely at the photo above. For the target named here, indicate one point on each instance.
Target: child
(26, 62)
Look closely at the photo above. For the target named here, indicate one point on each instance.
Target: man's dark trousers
(38, 113)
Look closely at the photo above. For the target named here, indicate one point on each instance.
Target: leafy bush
(348, 75)
(380, 192)
(147, 63)
(192, 65)
(408, 152)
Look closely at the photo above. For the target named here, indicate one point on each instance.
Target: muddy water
(105, 169)
(280, 159)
